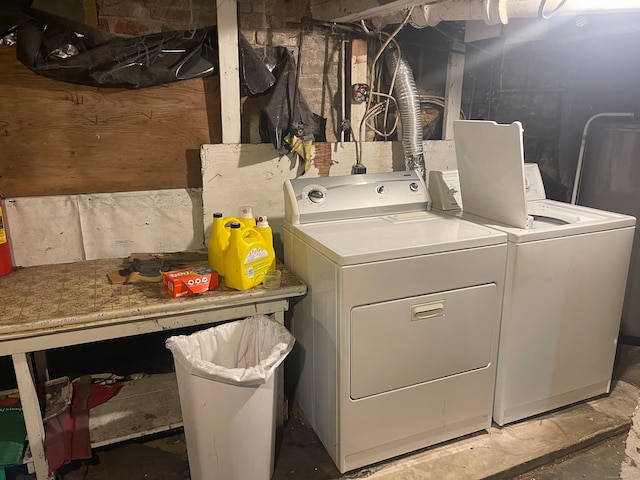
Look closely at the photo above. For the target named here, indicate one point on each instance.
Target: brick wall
(140, 17)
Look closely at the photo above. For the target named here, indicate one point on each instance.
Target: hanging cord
(543, 3)
(382, 107)
(392, 84)
(193, 24)
(377, 110)
(372, 112)
(297, 83)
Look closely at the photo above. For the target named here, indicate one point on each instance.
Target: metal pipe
(585, 133)
(495, 12)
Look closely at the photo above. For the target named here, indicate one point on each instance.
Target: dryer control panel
(318, 199)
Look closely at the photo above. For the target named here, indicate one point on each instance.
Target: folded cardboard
(182, 283)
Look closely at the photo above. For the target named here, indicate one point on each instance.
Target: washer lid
(356, 241)
(491, 170)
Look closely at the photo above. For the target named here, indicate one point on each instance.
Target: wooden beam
(358, 74)
(227, 18)
(90, 12)
(453, 89)
(354, 10)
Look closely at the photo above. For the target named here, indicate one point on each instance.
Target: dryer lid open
(491, 169)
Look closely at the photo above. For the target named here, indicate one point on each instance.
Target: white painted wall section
(253, 175)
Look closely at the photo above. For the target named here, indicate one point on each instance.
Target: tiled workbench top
(55, 296)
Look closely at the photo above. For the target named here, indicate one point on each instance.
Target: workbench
(51, 306)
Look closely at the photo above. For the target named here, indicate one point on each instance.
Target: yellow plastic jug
(247, 258)
(263, 228)
(219, 241)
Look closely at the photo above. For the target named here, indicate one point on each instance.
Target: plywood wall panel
(60, 138)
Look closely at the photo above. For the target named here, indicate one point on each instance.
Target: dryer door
(405, 342)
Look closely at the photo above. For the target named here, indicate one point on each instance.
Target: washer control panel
(444, 187)
(534, 187)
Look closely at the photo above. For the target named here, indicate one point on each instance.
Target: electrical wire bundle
(388, 102)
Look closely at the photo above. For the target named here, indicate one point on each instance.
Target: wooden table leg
(32, 415)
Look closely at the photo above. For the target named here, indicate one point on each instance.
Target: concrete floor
(601, 461)
(586, 441)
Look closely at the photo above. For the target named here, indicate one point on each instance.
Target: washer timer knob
(380, 189)
(413, 186)
(316, 196)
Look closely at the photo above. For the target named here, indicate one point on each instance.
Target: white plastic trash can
(227, 393)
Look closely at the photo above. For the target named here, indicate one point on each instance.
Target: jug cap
(245, 212)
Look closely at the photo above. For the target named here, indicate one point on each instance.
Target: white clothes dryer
(396, 339)
(566, 273)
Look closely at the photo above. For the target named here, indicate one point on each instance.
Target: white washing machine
(396, 339)
(566, 273)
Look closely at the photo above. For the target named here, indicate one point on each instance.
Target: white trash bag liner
(244, 352)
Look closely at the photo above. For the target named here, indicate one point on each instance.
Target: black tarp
(68, 51)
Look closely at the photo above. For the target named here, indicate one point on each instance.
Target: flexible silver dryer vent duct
(406, 95)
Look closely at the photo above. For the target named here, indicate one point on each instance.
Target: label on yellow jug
(247, 258)
(255, 254)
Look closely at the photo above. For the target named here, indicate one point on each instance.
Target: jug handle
(250, 232)
(229, 220)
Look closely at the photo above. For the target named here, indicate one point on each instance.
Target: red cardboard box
(182, 283)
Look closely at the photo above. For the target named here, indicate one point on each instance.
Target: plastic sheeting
(65, 50)
(244, 352)
(287, 111)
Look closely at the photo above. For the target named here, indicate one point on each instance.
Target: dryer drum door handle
(427, 310)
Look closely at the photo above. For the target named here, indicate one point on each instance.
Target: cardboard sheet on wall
(155, 221)
(44, 230)
(85, 227)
